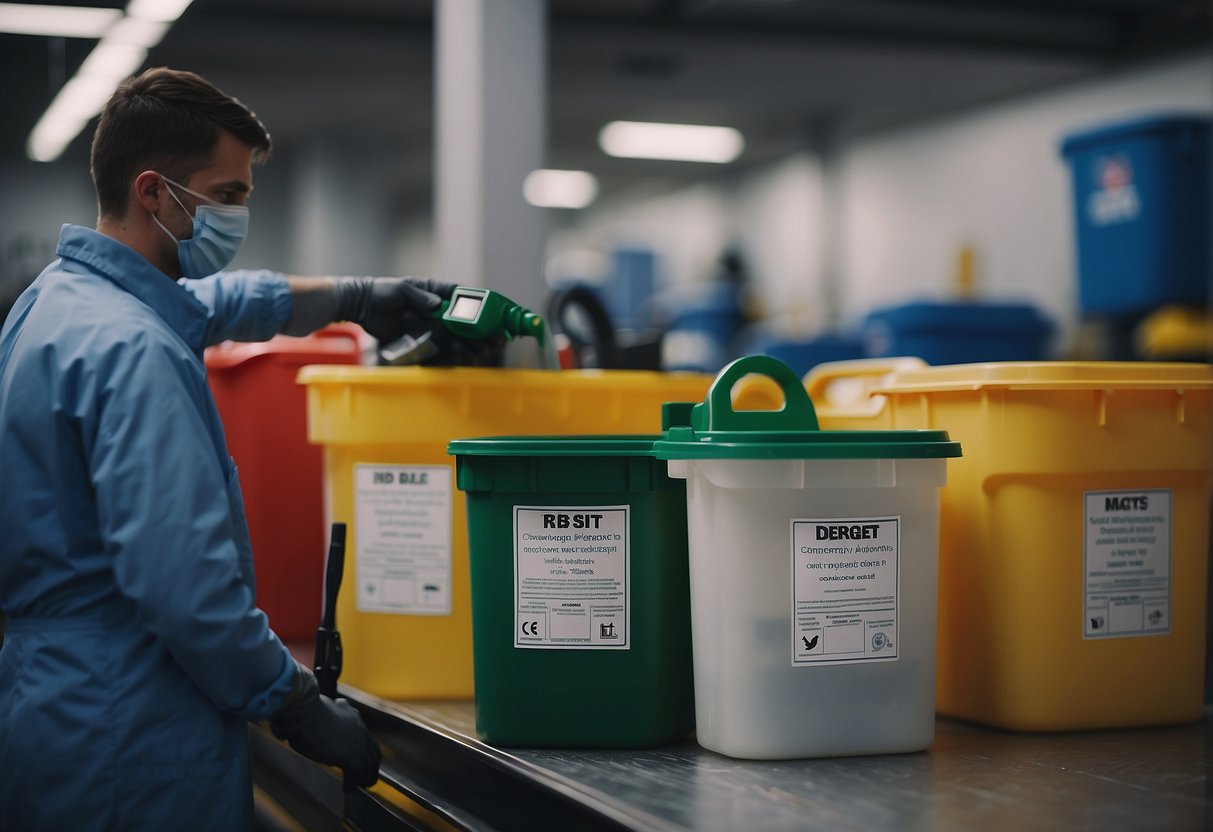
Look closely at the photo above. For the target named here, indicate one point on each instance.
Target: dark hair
(166, 120)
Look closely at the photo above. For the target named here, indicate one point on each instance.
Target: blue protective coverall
(134, 653)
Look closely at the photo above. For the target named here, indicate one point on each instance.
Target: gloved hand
(328, 731)
(456, 351)
(389, 307)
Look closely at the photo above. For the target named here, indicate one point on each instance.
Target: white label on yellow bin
(1128, 564)
(403, 534)
(845, 582)
(572, 568)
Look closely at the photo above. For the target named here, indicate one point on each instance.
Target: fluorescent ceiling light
(134, 31)
(163, 10)
(547, 188)
(113, 61)
(80, 99)
(56, 21)
(122, 50)
(678, 142)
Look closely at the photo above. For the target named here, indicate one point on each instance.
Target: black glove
(389, 307)
(328, 731)
(456, 351)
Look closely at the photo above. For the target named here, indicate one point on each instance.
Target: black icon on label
(607, 630)
(1097, 622)
(431, 587)
(880, 641)
(809, 643)
(1155, 617)
(530, 628)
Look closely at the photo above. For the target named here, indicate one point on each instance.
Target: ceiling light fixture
(56, 21)
(112, 61)
(674, 142)
(119, 54)
(546, 188)
(165, 11)
(135, 31)
(80, 99)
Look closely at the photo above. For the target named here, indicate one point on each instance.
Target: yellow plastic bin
(405, 608)
(1074, 534)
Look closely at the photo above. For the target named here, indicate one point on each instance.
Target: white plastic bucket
(813, 563)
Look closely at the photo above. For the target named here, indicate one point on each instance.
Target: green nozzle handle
(482, 313)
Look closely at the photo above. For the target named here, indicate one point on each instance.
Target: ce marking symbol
(530, 628)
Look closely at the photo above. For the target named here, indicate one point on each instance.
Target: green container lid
(574, 445)
(717, 431)
(623, 464)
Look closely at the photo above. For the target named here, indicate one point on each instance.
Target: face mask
(218, 232)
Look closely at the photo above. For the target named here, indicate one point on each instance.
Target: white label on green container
(572, 568)
(1127, 554)
(403, 534)
(845, 582)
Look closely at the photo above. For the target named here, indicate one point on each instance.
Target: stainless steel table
(972, 778)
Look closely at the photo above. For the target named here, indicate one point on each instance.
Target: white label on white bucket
(845, 582)
(403, 534)
(1127, 554)
(572, 568)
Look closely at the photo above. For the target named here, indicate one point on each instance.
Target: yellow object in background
(755, 392)
(1073, 534)
(404, 611)
(1176, 333)
(966, 272)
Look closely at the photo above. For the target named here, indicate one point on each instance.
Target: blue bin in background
(958, 333)
(700, 329)
(1141, 193)
(630, 287)
(803, 355)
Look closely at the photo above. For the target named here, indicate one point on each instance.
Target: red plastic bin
(264, 413)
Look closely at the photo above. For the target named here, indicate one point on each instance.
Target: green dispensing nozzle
(483, 313)
(470, 313)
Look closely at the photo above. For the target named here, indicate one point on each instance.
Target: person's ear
(149, 189)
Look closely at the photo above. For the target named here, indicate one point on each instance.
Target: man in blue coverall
(135, 655)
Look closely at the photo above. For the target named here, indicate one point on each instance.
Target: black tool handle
(328, 639)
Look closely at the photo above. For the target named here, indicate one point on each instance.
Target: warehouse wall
(908, 200)
(35, 201)
(772, 215)
(993, 179)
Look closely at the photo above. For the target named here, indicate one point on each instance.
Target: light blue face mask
(218, 232)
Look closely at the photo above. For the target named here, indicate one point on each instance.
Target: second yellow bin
(404, 611)
(1074, 532)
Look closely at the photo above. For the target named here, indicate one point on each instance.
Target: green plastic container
(580, 596)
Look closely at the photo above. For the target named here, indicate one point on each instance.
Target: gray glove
(389, 307)
(328, 731)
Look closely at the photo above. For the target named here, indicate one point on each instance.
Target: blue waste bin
(963, 332)
(804, 354)
(1141, 211)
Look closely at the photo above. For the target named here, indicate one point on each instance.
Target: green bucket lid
(620, 465)
(572, 445)
(712, 429)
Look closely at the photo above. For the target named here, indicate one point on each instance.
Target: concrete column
(490, 132)
(828, 143)
(341, 199)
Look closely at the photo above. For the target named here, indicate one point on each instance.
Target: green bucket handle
(716, 411)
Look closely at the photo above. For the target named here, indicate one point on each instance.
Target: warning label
(1127, 553)
(571, 577)
(403, 554)
(845, 582)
